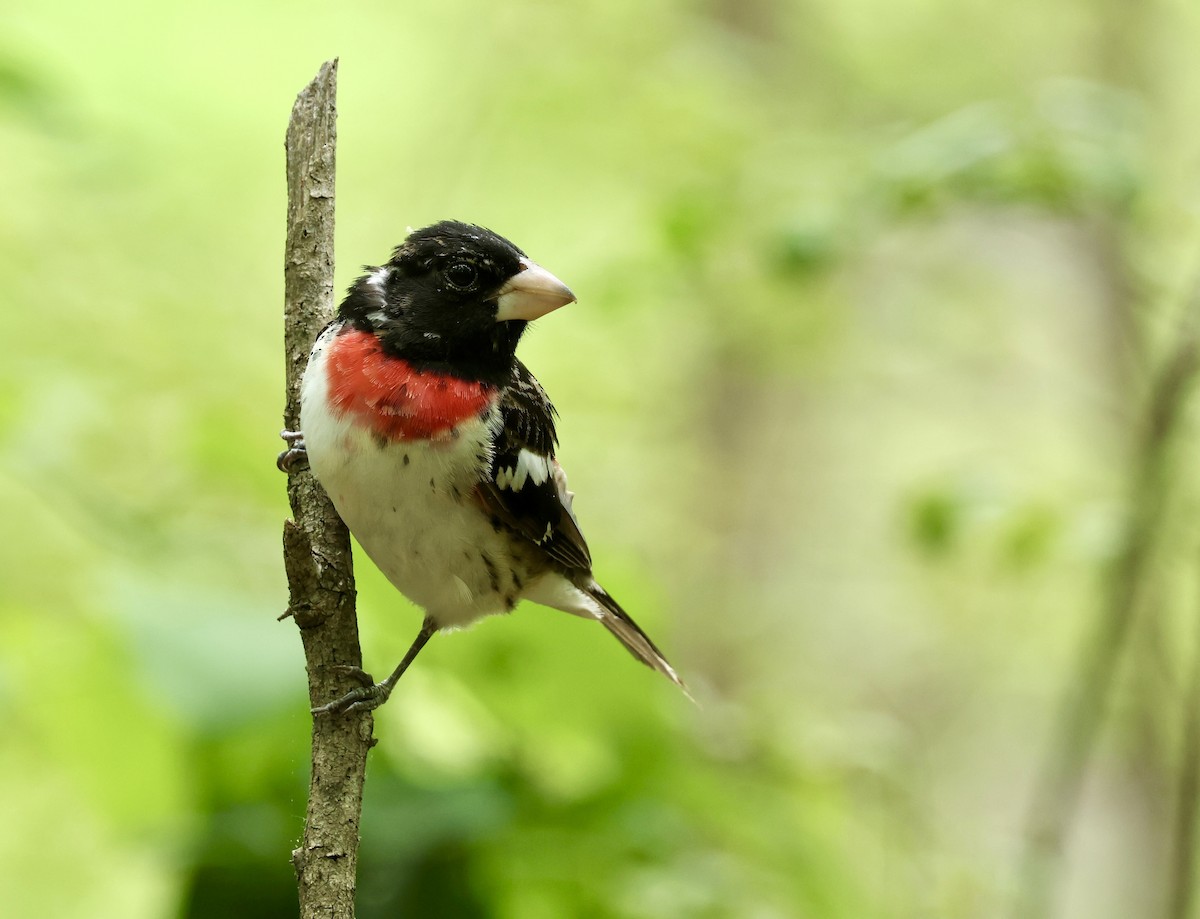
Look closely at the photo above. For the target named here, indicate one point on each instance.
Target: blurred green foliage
(868, 297)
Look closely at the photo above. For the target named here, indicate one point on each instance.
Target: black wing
(527, 489)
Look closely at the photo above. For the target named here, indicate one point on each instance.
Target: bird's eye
(461, 275)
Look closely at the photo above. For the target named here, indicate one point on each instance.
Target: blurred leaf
(1031, 535)
(1076, 151)
(210, 657)
(805, 249)
(30, 95)
(935, 522)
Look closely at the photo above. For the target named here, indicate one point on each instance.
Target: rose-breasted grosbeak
(436, 444)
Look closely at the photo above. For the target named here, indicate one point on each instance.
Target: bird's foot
(295, 457)
(367, 696)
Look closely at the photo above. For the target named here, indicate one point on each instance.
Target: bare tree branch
(1058, 785)
(316, 544)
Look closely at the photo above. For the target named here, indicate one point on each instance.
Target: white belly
(409, 505)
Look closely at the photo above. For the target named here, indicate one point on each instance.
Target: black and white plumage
(437, 446)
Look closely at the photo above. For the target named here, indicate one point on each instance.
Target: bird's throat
(394, 399)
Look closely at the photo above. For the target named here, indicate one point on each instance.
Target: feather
(630, 634)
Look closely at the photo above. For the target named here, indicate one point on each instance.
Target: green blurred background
(872, 296)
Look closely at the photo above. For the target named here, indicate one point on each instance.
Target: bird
(437, 445)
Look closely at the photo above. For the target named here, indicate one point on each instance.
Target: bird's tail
(628, 633)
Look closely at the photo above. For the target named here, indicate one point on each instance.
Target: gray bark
(316, 544)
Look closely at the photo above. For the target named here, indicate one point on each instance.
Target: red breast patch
(396, 401)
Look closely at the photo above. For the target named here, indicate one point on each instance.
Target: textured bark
(316, 544)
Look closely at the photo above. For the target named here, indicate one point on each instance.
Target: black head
(454, 296)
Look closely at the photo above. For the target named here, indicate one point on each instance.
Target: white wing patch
(529, 466)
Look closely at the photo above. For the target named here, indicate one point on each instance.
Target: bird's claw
(295, 457)
(367, 696)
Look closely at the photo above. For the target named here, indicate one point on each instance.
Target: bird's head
(454, 294)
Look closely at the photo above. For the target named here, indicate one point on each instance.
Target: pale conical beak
(531, 293)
